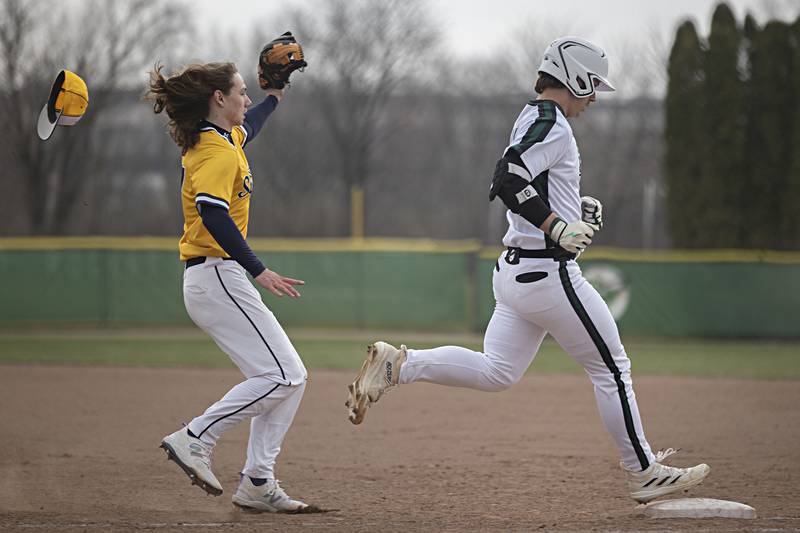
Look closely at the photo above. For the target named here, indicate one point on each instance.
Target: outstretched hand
(278, 59)
(277, 93)
(279, 285)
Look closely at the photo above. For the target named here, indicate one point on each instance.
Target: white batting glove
(592, 211)
(574, 237)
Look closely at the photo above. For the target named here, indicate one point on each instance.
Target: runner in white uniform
(538, 286)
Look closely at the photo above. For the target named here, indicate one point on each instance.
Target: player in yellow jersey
(209, 120)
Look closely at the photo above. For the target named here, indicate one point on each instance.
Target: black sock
(189, 431)
(258, 481)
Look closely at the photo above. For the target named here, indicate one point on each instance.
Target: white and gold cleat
(379, 373)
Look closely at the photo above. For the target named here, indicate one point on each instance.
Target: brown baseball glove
(279, 58)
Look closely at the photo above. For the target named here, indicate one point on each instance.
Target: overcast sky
(474, 28)
(469, 25)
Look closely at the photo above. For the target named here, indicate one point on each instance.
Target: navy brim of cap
(44, 127)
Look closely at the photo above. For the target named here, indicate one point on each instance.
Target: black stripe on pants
(607, 359)
(223, 417)
(283, 375)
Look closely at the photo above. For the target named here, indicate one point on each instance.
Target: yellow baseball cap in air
(68, 101)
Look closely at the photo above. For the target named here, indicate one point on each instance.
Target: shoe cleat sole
(359, 401)
(308, 509)
(172, 456)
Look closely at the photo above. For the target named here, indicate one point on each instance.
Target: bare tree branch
(106, 43)
(360, 54)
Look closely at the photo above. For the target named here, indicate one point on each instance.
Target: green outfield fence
(393, 283)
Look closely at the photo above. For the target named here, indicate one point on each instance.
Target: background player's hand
(574, 237)
(592, 211)
(279, 285)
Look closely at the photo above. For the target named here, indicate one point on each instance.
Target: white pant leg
(571, 310)
(510, 344)
(251, 398)
(599, 349)
(267, 432)
(223, 302)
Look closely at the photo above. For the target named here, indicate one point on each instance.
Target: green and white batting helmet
(580, 65)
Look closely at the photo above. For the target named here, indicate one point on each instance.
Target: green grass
(345, 350)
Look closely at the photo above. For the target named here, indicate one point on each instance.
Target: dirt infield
(79, 452)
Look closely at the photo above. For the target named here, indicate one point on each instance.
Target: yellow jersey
(215, 172)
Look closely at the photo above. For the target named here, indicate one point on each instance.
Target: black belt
(200, 260)
(513, 255)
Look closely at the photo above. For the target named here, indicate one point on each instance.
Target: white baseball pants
(535, 297)
(223, 302)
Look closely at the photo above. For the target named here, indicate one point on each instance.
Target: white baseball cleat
(194, 457)
(659, 480)
(379, 373)
(269, 498)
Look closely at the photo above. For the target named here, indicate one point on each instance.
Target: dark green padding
(404, 290)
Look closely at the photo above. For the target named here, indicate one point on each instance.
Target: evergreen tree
(771, 213)
(749, 109)
(733, 135)
(683, 124)
(791, 200)
(723, 184)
